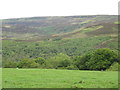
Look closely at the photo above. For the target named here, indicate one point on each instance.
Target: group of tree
(17, 50)
(100, 59)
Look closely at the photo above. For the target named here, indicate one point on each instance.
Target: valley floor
(52, 78)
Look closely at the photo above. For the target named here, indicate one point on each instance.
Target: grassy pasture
(52, 78)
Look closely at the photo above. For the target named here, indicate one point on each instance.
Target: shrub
(27, 63)
(10, 64)
(114, 67)
(60, 60)
(64, 63)
(40, 60)
(72, 67)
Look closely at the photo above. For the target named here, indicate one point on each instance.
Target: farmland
(52, 78)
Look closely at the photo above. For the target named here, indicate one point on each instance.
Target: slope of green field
(51, 78)
(15, 50)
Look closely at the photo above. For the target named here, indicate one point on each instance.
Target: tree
(99, 59)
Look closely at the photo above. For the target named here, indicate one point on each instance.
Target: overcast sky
(32, 8)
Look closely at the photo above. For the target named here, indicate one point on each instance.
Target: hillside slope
(48, 36)
(49, 27)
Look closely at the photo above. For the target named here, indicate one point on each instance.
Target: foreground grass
(51, 78)
(0, 78)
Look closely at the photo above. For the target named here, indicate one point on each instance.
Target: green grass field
(52, 78)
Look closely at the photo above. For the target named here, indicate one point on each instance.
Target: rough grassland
(51, 78)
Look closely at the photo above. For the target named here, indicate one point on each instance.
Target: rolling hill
(50, 27)
(48, 36)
